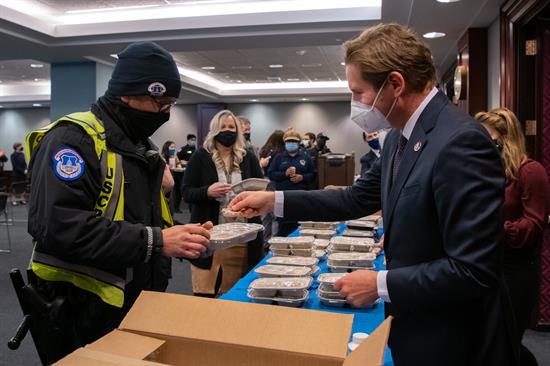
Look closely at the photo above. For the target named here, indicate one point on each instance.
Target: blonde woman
(526, 207)
(221, 162)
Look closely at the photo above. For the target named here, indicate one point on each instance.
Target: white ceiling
(240, 46)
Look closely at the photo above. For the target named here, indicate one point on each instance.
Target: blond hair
(511, 138)
(384, 48)
(238, 149)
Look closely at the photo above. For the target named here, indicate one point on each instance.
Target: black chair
(6, 221)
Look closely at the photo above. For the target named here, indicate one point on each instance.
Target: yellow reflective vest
(109, 204)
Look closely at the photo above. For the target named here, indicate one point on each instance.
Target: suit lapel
(413, 150)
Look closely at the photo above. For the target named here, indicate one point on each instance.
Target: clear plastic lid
(292, 252)
(273, 270)
(347, 241)
(318, 225)
(318, 233)
(233, 233)
(330, 277)
(321, 243)
(290, 283)
(291, 240)
(358, 233)
(250, 184)
(361, 224)
(293, 261)
(352, 256)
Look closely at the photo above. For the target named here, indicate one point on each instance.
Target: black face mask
(226, 138)
(247, 136)
(145, 123)
(499, 147)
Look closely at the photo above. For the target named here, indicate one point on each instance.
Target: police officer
(101, 225)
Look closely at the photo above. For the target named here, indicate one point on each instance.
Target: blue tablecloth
(364, 320)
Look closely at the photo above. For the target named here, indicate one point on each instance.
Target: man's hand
(290, 171)
(264, 162)
(251, 204)
(297, 178)
(187, 241)
(217, 190)
(359, 287)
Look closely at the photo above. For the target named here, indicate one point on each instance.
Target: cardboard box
(169, 329)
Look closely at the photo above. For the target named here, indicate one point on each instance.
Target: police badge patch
(68, 165)
(156, 89)
(303, 162)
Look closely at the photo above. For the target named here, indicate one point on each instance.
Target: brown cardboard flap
(371, 351)
(88, 357)
(126, 344)
(244, 324)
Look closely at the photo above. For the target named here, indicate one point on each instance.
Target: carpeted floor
(11, 315)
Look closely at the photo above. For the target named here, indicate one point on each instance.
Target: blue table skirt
(364, 320)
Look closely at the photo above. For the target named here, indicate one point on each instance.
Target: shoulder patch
(303, 162)
(68, 165)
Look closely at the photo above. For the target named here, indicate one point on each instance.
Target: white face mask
(305, 143)
(369, 118)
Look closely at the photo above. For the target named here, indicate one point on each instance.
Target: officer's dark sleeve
(61, 213)
(308, 175)
(192, 190)
(275, 173)
(361, 199)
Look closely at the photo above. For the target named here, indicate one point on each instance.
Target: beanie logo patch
(156, 89)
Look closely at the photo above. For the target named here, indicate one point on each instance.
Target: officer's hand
(290, 171)
(217, 190)
(297, 178)
(251, 204)
(187, 241)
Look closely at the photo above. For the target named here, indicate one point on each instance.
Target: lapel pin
(417, 146)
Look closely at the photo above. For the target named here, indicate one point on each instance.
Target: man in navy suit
(440, 185)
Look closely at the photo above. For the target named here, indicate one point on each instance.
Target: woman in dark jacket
(525, 211)
(212, 170)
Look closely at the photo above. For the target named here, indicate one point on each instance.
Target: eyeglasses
(164, 104)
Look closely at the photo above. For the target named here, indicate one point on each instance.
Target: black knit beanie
(145, 68)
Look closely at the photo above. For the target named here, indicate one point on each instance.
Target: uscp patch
(68, 164)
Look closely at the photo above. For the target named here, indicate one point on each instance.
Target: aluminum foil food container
(288, 287)
(292, 252)
(330, 294)
(250, 184)
(331, 302)
(296, 242)
(318, 225)
(293, 261)
(358, 233)
(272, 270)
(279, 300)
(230, 234)
(352, 259)
(318, 233)
(360, 224)
(321, 243)
(351, 244)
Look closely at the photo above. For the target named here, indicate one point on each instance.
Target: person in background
(525, 211)
(3, 159)
(19, 167)
(246, 127)
(272, 147)
(186, 151)
(290, 170)
(308, 140)
(319, 148)
(375, 140)
(173, 165)
(221, 162)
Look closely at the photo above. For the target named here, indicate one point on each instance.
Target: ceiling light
(241, 67)
(312, 65)
(276, 66)
(301, 52)
(110, 9)
(38, 79)
(37, 105)
(343, 63)
(434, 35)
(37, 66)
(1, 106)
(253, 100)
(447, 1)
(304, 99)
(293, 79)
(208, 68)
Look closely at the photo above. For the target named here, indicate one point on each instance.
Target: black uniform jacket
(443, 232)
(200, 174)
(61, 213)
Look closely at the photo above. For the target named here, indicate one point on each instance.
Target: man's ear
(397, 81)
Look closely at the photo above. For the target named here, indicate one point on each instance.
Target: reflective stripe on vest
(109, 204)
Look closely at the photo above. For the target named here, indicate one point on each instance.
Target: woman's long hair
(505, 122)
(274, 144)
(238, 149)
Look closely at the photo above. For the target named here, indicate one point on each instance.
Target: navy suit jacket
(443, 232)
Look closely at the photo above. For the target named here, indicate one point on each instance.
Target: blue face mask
(192, 143)
(374, 144)
(291, 146)
(172, 152)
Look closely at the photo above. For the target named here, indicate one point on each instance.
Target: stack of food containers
(351, 261)
(288, 291)
(327, 294)
(292, 246)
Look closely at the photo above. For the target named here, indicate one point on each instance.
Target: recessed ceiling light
(434, 35)
(312, 65)
(304, 99)
(447, 1)
(301, 52)
(37, 66)
(253, 100)
(293, 79)
(208, 68)
(38, 79)
(37, 105)
(276, 66)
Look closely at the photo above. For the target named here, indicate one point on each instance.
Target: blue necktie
(398, 156)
